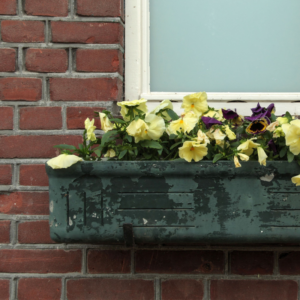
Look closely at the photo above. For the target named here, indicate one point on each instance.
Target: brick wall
(59, 61)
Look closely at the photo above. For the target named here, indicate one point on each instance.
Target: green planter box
(175, 202)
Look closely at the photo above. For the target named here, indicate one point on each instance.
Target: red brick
(34, 146)
(22, 31)
(37, 118)
(77, 115)
(24, 89)
(4, 233)
(177, 262)
(33, 175)
(100, 8)
(99, 60)
(91, 89)
(289, 263)
(182, 289)
(24, 203)
(87, 32)
(40, 261)
(4, 289)
(49, 8)
(46, 60)
(6, 118)
(110, 289)
(8, 7)
(252, 263)
(7, 60)
(37, 232)
(108, 261)
(5, 174)
(39, 289)
(253, 289)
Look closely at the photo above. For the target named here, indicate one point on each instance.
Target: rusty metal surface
(175, 202)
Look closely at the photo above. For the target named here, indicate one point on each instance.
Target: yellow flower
(278, 132)
(296, 180)
(218, 115)
(89, 126)
(137, 129)
(219, 136)
(248, 146)
(292, 136)
(202, 137)
(106, 125)
(236, 162)
(282, 120)
(192, 151)
(110, 153)
(262, 156)
(196, 103)
(63, 161)
(141, 105)
(166, 104)
(184, 124)
(272, 126)
(243, 157)
(231, 135)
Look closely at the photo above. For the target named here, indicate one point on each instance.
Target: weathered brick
(23, 89)
(4, 289)
(39, 289)
(33, 175)
(177, 262)
(91, 89)
(37, 232)
(8, 7)
(4, 234)
(253, 289)
(37, 118)
(6, 118)
(14, 31)
(49, 8)
(99, 60)
(77, 115)
(182, 289)
(108, 261)
(34, 146)
(87, 32)
(25, 203)
(7, 60)
(110, 289)
(5, 174)
(289, 263)
(100, 8)
(46, 60)
(252, 262)
(40, 261)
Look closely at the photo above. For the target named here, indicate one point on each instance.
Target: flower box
(174, 202)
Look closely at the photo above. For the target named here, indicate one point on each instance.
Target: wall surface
(60, 60)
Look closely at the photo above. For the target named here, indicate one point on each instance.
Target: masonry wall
(61, 60)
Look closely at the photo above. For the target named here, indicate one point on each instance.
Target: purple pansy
(257, 110)
(208, 121)
(229, 114)
(272, 147)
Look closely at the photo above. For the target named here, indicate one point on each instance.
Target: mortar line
(20, 65)
(157, 288)
(20, 9)
(84, 261)
(276, 263)
(13, 289)
(70, 69)
(45, 90)
(72, 9)
(47, 32)
(64, 289)
(13, 232)
(64, 118)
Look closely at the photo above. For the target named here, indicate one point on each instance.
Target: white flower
(63, 161)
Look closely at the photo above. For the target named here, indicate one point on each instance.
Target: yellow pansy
(106, 125)
(89, 126)
(282, 120)
(110, 153)
(231, 135)
(243, 157)
(166, 104)
(196, 103)
(137, 129)
(63, 161)
(155, 127)
(236, 162)
(192, 151)
(218, 115)
(262, 156)
(292, 136)
(219, 136)
(248, 146)
(278, 132)
(296, 180)
(272, 126)
(141, 105)
(184, 124)
(202, 138)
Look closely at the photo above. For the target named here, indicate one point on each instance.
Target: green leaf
(218, 157)
(172, 114)
(175, 145)
(290, 156)
(240, 130)
(273, 118)
(147, 156)
(283, 151)
(107, 135)
(116, 120)
(122, 154)
(151, 144)
(172, 136)
(64, 146)
(98, 152)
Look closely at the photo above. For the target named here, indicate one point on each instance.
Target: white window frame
(137, 72)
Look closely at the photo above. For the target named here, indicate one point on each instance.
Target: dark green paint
(175, 202)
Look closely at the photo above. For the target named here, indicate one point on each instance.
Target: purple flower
(257, 126)
(208, 121)
(270, 110)
(258, 109)
(272, 147)
(229, 114)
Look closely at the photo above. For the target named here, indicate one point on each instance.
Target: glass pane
(225, 45)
